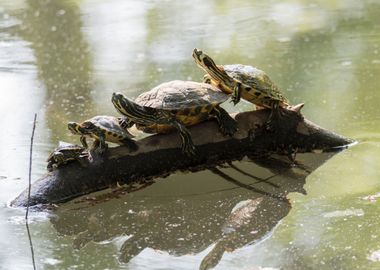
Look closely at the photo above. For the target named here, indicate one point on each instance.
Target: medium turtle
(248, 82)
(175, 105)
(66, 152)
(104, 128)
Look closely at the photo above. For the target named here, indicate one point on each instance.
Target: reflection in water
(190, 224)
(54, 29)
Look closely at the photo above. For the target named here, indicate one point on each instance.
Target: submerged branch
(29, 188)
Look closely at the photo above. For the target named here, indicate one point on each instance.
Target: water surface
(63, 59)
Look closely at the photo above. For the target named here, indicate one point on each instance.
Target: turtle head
(121, 103)
(81, 129)
(216, 72)
(124, 105)
(74, 127)
(198, 56)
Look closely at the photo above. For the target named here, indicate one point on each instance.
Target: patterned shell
(65, 147)
(256, 79)
(178, 95)
(108, 123)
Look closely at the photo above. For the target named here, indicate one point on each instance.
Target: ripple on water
(35, 217)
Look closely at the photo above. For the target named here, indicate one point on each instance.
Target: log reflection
(227, 219)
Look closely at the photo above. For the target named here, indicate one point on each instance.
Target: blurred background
(63, 59)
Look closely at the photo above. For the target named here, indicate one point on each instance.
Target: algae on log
(159, 155)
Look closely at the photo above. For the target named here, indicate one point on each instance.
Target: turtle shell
(179, 95)
(109, 124)
(256, 79)
(65, 147)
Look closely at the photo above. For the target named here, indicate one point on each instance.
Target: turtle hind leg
(278, 116)
(273, 122)
(131, 144)
(236, 94)
(227, 125)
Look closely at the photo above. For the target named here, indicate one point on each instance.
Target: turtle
(66, 152)
(104, 128)
(175, 105)
(248, 82)
(234, 231)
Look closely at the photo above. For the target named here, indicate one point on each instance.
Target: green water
(63, 59)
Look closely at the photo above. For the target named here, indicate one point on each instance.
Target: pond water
(63, 59)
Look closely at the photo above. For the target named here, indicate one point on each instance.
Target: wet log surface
(160, 155)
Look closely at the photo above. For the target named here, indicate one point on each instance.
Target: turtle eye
(207, 61)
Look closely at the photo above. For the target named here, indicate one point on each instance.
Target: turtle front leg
(100, 145)
(83, 140)
(227, 125)
(188, 147)
(236, 94)
(125, 122)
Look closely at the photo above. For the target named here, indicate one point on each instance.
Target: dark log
(160, 155)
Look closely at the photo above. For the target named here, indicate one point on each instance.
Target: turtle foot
(229, 126)
(189, 150)
(229, 129)
(235, 100)
(101, 150)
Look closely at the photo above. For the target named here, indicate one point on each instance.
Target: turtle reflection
(226, 219)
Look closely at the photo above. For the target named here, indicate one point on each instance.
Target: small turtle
(248, 82)
(175, 105)
(104, 128)
(66, 152)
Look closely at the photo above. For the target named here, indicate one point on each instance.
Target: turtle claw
(271, 125)
(101, 149)
(234, 100)
(229, 129)
(189, 150)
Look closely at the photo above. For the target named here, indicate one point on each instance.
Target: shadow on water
(225, 217)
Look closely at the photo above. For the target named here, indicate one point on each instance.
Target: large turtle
(175, 105)
(248, 82)
(103, 128)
